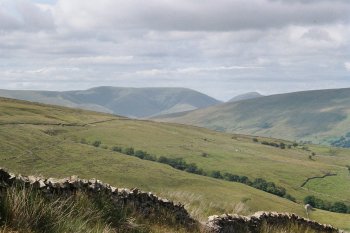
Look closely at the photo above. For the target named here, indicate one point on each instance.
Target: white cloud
(193, 15)
(99, 60)
(214, 46)
(347, 65)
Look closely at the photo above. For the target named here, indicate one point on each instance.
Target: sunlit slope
(319, 116)
(49, 144)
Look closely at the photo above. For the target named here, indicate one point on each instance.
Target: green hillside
(320, 116)
(57, 141)
(132, 102)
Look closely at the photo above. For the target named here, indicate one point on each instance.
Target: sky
(219, 47)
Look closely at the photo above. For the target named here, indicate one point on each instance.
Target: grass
(319, 116)
(29, 210)
(32, 148)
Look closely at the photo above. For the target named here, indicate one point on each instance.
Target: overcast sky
(219, 47)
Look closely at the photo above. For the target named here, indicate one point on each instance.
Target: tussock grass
(24, 209)
(290, 228)
(198, 206)
(27, 210)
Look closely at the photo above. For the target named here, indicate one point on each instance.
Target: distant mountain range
(320, 116)
(130, 102)
(246, 96)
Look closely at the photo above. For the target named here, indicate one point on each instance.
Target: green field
(42, 139)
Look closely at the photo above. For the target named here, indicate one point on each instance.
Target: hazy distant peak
(246, 96)
(126, 101)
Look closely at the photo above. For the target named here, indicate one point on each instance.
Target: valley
(56, 141)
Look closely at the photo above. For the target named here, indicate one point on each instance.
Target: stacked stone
(253, 224)
(147, 203)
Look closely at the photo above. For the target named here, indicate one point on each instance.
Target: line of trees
(338, 207)
(258, 183)
(181, 164)
(280, 145)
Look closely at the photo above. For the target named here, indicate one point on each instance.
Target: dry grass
(28, 210)
(198, 205)
(289, 228)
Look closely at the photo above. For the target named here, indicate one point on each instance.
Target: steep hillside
(317, 116)
(131, 102)
(56, 141)
(246, 96)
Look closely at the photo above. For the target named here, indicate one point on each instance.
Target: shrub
(311, 200)
(150, 157)
(282, 145)
(339, 207)
(96, 143)
(255, 140)
(244, 180)
(231, 177)
(191, 168)
(140, 154)
(83, 141)
(117, 149)
(216, 175)
(289, 197)
(128, 151)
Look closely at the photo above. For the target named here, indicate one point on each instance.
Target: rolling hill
(131, 102)
(246, 96)
(56, 141)
(320, 116)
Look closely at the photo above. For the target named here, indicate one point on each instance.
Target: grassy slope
(311, 115)
(27, 149)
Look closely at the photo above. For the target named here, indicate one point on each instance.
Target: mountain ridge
(316, 115)
(130, 102)
(246, 96)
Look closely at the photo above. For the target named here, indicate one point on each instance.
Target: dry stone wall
(255, 223)
(147, 203)
(150, 204)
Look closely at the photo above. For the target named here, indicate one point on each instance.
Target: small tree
(311, 200)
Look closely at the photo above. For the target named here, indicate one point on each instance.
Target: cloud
(347, 65)
(24, 15)
(213, 46)
(99, 60)
(317, 34)
(206, 15)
